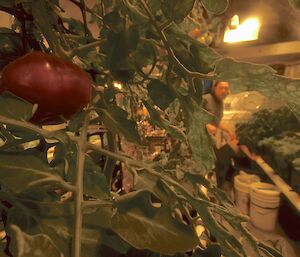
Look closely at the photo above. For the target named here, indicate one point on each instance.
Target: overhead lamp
(246, 31)
(118, 85)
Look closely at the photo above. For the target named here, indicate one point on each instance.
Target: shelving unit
(290, 194)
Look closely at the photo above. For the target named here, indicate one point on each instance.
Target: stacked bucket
(258, 200)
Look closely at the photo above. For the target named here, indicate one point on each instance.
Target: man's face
(221, 90)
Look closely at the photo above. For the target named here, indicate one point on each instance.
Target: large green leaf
(159, 121)
(10, 45)
(114, 21)
(215, 6)
(76, 26)
(145, 54)
(7, 4)
(295, 4)
(193, 54)
(24, 245)
(177, 10)
(94, 182)
(19, 170)
(121, 45)
(14, 107)
(136, 14)
(116, 119)
(147, 227)
(46, 19)
(200, 141)
(153, 185)
(212, 250)
(246, 76)
(92, 237)
(160, 94)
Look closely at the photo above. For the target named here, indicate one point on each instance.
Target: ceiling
(279, 38)
(272, 13)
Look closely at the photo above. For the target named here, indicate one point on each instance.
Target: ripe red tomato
(59, 87)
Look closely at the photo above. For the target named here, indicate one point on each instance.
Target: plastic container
(242, 185)
(264, 204)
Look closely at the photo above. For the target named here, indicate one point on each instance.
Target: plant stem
(97, 203)
(6, 134)
(83, 12)
(54, 179)
(90, 11)
(81, 147)
(110, 163)
(75, 51)
(169, 49)
(28, 126)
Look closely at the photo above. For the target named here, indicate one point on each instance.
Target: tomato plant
(69, 203)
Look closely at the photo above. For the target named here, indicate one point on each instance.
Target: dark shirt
(214, 106)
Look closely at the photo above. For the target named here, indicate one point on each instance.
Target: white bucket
(242, 185)
(265, 200)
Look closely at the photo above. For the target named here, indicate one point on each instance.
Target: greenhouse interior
(150, 128)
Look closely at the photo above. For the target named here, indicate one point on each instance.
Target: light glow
(118, 85)
(247, 31)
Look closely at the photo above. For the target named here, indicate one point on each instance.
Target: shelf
(290, 194)
(284, 52)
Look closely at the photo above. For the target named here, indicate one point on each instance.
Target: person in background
(214, 104)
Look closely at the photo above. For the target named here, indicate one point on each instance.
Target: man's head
(220, 89)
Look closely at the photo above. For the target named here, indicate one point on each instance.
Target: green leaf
(193, 54)
(204, 57)
(76, 26)
(10, 46)
(215, 6)
(147, 182)
(114, 21)
(147, 227)
(24, 245)
(135, 13)
(156, 119)
(7, 4)
(94, 180)
(14, 107)
(213, 250)
(116, 119)
(145, 54)
(248, 77)
(200, 141)
(121, 45)
(98, 217)
(93, 237)
(177, 10)
(295, 4)
(198, 91)
(76, 122)
(18, 171)
(269, 251)
(160, 94)
(46, 19)
(119, 50)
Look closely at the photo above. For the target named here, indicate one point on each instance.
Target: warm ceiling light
(235, 22)
(246, 31)
(118, 85)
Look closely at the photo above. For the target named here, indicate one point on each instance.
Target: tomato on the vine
(59, 87)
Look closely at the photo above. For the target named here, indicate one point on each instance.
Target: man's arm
(212, 129)
(228, 131)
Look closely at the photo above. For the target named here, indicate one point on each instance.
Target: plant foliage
(66, 205)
